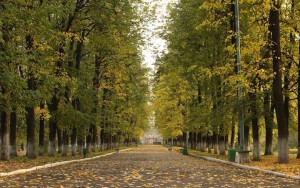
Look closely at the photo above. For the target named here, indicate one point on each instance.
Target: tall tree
(268, 117)
(4, 136)
(277, 83)
(13, 134)
(255, 127)
(298, 153)
(41, 130)
(30, 114)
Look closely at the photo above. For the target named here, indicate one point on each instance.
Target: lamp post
(238, 62)
(243, 154)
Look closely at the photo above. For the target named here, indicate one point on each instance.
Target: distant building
(152, 137)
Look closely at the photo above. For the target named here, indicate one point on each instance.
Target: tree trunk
(222, 145)
(80, 144)
(59, 140)
(209, 144)
(65, 143)
(298, 153)
(226, 142)
(94, 137)
(215, 142)
(73, 141)
(255, 128)
(232, 136)
(274, 27)
(287, 93)
(192, 140)
(89, 138)
(41, 132)
(287, 99)
(96, 85)
(30, 114)
(4, 129)
(246, 133)
(4, 136)
(102, 140)
(205, 141)
(53, 107)
(30, 121)
(198, 141)
(233, 31)
(52, 127)
(104, 125)
(268, 116)
(202, 142)
(222, 139)
(52, 136)
(13, 134)
(110, 141)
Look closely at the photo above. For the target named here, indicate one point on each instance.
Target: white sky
(155, 45)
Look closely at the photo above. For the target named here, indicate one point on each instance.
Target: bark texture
(13, 134)
(255, 128)
(4, 136)
(41, 132)
(282, 121)
(268, 116)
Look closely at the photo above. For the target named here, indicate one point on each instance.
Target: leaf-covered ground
(22, 162)
(146, 166)
(266, 162)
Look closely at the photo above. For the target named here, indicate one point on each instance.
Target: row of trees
(198, 75)
(71, 72)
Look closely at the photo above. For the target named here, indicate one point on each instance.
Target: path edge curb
(247, 167)
(50, 165)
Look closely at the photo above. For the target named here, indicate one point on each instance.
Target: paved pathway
(146, 166)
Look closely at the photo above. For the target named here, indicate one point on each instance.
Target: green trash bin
(231, 155)
(185, 151)
(85, 152)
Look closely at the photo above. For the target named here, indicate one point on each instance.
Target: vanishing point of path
(146, 166)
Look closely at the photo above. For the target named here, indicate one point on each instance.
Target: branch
(87, 53)
(290, 58)
(290, 25)
(89, 31)
(293, 85)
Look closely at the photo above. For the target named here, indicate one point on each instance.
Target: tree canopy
(199, 80)
(75, 67)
